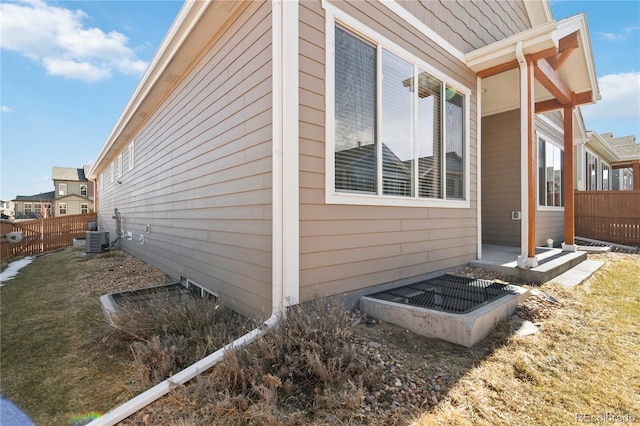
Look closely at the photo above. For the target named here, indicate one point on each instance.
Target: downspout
(284, 205)
(479, 163)
(523, 260)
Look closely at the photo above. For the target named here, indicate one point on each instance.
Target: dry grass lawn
(58, 359)
(584, 362)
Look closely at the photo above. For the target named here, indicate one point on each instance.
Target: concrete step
(578, 274)
(552, 264)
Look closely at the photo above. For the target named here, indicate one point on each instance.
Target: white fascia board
(596, 142)
(534, 39)
(550, 123)
(179, 30)
(579, 122)
(579, 23)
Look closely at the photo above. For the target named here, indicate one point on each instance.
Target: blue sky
(68, 68)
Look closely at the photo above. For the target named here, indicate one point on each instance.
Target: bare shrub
(308, 363)
(169, 333)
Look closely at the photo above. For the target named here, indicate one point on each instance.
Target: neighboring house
(7, 209)
(605, 163)
(263, 156)
(34, 206)
(626, 161)
(74, 193)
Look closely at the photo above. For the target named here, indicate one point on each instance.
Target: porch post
(527, 258)
(531, 160)
(635, 166)
(569, 216)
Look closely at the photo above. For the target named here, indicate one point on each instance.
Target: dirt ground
(414, 372)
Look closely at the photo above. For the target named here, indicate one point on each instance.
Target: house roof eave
(183, 43)
(497, 63)
(164, 54)
(597, 142)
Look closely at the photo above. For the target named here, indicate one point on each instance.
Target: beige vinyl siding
(73, 187)
(501, 178)
(550, 223)
(73, 203)
(202, 175)
(349, 248)
(501, 181)
(468, 25)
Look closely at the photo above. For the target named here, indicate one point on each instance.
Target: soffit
(500, 92)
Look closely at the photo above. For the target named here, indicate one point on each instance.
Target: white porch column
(527, 116)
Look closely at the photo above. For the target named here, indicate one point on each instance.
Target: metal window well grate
(448, 293)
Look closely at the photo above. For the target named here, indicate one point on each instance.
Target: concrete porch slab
(551, 262)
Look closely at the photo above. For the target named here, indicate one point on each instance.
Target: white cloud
(77, 70)
(620, 97)
(619, 109)
(624, 34)
(6, 108)
(58, 39)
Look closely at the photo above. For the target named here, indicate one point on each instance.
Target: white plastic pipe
(150, 395)
(285, 221)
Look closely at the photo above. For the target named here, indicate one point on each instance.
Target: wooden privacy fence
(612, 216)
(43, 235)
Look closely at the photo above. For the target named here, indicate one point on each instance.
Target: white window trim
(598, 160)
(84, 204)
(66, 189)
(86, 189)
(119, 165)
(609, 176)
(336, 16)
(131, 149)
(66, 208)
(540, 136)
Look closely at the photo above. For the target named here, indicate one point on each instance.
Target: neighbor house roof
(625, 147)
(68, 173)
(44, 196)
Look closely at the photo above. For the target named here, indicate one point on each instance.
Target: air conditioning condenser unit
(96, 241)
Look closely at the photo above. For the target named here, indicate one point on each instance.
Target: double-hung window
(592, 172)
(550, 174)
(399, 131)
(62, 189)
(606, 173)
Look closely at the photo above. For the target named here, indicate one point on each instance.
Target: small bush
(168, 335)
(307, 364)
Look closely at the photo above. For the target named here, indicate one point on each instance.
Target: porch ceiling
(498, 65)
